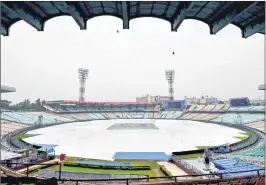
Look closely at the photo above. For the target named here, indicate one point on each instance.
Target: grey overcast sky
(130, 63)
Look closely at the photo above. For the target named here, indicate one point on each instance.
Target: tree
(38, 104)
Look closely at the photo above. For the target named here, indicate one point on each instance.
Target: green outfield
(244, 135)
(21, 136)
(153, 172)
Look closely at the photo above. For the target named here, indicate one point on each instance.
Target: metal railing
(195, 177)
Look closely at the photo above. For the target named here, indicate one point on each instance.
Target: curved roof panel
(7, 89)
(249, 16)
(262, 87)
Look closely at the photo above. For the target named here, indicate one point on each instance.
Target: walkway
(175, 171)
(24, 170)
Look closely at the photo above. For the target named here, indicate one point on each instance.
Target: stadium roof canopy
(70, 102)
(249, 16)
(6, 89)
(262, 87)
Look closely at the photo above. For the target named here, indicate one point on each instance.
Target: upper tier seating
(199, 107)
(118, 114)
(190, 116)
(259, 125)
(225, 107)
(25, 117)
(246, 117)
(8, 127)
(218, 107)
(124, 108)
(192, 107)
(230, 165)
(111, 115)
(208, 107)
(150, 115)
(51, 116)
(247, 109)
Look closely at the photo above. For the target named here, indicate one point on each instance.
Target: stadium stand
(208, 107)
(177, 114)
(164, 114)
(246, 117)
(157, 115)
(192, 107)
(128, 115)
(124, 108)
(208, 117)
(199, 107)
(201, 116)
(252, 118)
(259, 125)
(93, 116)
(112, 116)
(75, 117)
(99, 115)
(218, 107)
(247, 109)
(52, 116)
(25, 117)
(225, 107)
(229, 165)
(257, 108)
(171, 114)
(8, 127)
(146, 115)
(118, 114)
(150, 115)
(140, 108)
(190, 116)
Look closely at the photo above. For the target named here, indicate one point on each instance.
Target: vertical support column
(60, 170)
(170, 77)
(83, 75)
(125, 15)
(27, 170)
(82, 90)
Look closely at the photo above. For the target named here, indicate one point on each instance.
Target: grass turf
(189, 156)
(151, 173)
(244, 135)
(21, 136)
(203, 147)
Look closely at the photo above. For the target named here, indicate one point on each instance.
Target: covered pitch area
(249, 16)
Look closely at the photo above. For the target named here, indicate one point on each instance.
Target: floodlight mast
(170, 77)
(83, 76)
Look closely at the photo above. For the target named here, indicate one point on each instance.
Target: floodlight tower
(83, 75)
(170, 77)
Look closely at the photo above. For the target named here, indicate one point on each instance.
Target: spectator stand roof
(5, 155)
(7, 89)
(249, 16)
(262, 87)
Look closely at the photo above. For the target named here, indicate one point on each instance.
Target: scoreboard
(239, 102)
(174, 105)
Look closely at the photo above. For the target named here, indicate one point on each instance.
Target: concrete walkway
(23, 170)
(175, 171)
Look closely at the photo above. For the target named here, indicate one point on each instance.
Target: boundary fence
(217, 176)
